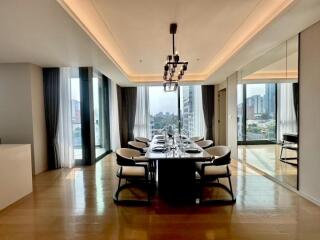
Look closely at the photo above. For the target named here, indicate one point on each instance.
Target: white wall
(230, 84)
(22, 111)
(15, 104)
(15, 173)
(217, 88)
(309, 132)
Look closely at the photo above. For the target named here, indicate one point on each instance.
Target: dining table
(175, 160)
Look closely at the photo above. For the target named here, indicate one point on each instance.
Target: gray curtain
(87, 118)
(127, 102)
(208, 108)
(51, 85)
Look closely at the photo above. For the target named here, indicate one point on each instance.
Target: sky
(161, 101)
(256, 89)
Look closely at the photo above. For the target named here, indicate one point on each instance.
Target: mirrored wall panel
(268, 113)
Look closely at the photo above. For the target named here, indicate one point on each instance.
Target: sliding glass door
(257, 113)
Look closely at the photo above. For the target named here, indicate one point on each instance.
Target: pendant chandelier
(170, 76)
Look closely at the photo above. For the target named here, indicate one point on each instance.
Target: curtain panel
(87, 115)
(127, 101)
(106, 113)
(286, 117)
(208, 109)
(51, 83)
(65, 137)
(142, 119)
(114, 117)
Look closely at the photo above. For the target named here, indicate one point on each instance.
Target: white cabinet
(15, 173)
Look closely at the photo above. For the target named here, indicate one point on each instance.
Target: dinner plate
(158, 149)
(192, 150)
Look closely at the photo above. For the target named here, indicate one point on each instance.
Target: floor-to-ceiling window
(158, 111)
(163, 110)
(257, 113)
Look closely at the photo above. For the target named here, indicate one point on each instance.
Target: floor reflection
(266, 158)
(99, 183)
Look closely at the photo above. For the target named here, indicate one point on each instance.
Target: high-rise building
(188, 110)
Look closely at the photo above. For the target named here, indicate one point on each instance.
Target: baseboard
(309, 198)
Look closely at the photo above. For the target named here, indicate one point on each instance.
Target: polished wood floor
(267, 159)
(77, 204)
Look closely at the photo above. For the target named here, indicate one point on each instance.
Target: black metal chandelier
(171, 79)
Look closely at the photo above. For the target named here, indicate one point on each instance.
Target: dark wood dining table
(176, 179)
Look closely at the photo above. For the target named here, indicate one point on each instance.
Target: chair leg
(281, 149)
(116, 195)
(202, 183)
(148, 185)
(230, 184)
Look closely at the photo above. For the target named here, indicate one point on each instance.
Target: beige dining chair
(143, 140)
(196, 139)
(210, 173)
(136, 173)
(140, 146)
(205, 144)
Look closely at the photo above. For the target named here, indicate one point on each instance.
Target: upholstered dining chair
(205, 144)
(210, 173)
(143, 148)
(143, 140)
(197, 139)
(136, 173)
(140, 146)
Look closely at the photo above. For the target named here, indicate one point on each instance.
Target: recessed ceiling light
(140, 61)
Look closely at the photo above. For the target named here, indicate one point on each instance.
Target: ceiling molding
(85, 14)
(290, 74)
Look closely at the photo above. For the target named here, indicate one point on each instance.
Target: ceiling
(141, 29)
(217, 37)
(42, 33)
(135, 34)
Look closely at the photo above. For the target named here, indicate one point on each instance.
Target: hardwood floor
(77, 204)
(267, 159)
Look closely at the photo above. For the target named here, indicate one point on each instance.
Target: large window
(260, 115)
(158, 111)
(163, 110)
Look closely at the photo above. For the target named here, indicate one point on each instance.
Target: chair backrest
(125, 156)
(197, 139)
(205, 144)
(137, 145)
(142, 139)
(221, 154)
